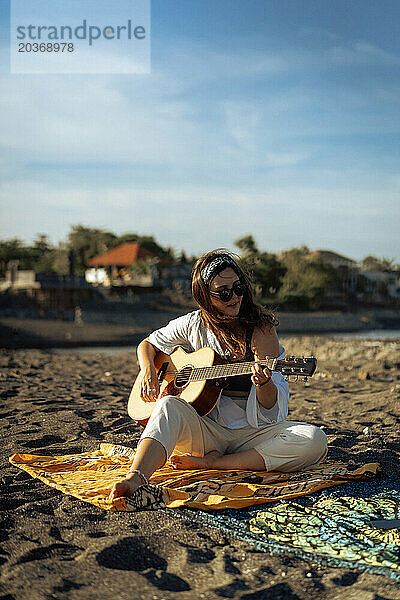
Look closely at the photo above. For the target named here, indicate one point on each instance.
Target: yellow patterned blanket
(90, 476)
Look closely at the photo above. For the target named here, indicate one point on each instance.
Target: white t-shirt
(189, 333)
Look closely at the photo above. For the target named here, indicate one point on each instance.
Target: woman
(247, 429)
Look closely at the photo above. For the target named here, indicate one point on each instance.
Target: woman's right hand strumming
(149, 385)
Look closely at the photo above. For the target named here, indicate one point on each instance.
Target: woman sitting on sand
(247, 429)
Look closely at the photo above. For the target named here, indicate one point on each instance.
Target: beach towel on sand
(90, 476)
(338, 527)
(333, 527)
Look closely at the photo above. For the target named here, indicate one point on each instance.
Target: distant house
(353, 287)
(343, 290)
(332, 258)
(113, 266)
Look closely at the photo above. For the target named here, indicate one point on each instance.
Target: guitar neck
(229, 370)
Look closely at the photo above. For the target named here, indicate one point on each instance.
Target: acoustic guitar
(199, 378)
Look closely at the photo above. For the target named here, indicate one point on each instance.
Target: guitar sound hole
(183, 376)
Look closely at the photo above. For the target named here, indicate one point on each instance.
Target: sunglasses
(226, 295)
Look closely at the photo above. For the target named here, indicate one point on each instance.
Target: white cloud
(361, 53)
(318, 33)
(285, 159)
(160, 119)
(65, 119)
(242, 121)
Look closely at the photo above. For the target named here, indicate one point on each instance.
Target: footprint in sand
(63, 551)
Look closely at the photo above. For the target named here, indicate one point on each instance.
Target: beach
(55, 546)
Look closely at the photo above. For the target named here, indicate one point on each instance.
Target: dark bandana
(214, 267)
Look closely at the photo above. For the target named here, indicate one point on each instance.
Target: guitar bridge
(170, 390)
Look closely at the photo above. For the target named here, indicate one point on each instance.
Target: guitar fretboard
(218, 371)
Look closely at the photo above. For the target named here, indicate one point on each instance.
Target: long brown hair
(231, 331)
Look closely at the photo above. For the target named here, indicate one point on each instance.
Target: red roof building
(122, 256)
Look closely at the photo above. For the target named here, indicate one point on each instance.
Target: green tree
(60, 263)
(10, 250)
(86, 242)
(266, 270)
(305, 281)
(42, 254)
(247, 245)
(39, 257)
(372, 263)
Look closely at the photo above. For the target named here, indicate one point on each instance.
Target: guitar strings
(242, 368)
(217, 371)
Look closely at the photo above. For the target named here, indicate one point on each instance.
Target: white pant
(284, 446)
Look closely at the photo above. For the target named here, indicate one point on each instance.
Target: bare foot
(187, 461)
(126, 487)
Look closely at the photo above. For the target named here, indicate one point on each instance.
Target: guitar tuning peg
(295, 377)
(305, 379)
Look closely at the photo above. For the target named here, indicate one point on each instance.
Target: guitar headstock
(297, 367)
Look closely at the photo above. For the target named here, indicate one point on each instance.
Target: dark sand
(54, 546)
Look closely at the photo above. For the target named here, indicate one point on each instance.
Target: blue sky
(279, 120)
